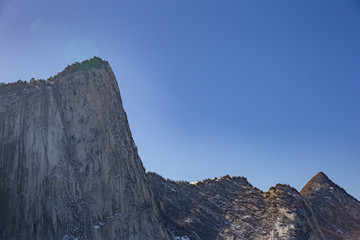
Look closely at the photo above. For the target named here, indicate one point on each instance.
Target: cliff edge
(69, 165)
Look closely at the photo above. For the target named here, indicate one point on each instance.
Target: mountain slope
(69, 166)
(337, 213)
(69, 170)
(231, 208)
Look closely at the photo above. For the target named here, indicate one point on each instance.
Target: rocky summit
(337, 213)
(69, 170)
(69, 165)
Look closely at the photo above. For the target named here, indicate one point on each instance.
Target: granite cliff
(69, 165)
(69, 170)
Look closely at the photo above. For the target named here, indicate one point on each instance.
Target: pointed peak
(319, 178)
(321, 183)
(320, 174)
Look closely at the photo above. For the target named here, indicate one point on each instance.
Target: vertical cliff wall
(69, 168)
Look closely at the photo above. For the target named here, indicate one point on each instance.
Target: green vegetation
(87, 65)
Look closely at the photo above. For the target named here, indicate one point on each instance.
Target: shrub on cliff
(86, 65)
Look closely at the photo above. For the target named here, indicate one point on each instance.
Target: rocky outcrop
(69, 168)
(231, 208)
(337, 213)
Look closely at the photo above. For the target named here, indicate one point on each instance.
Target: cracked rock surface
(69, 168)
(337, 212)
(231, 208)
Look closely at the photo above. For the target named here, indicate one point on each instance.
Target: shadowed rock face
(337, 213)
(69, 167)
(231, 208)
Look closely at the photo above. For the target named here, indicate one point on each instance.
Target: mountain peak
(328, 200)
(87, 65)
(69, 138)
(321, 177)
(320, 180)
(320, 174)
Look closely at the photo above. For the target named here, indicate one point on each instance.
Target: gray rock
(69, 168)
(231, 208)
(337, 213)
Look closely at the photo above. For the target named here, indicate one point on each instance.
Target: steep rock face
(337, 213)
(231, 208)
(69, 168)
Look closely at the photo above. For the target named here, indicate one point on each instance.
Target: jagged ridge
(231, 208)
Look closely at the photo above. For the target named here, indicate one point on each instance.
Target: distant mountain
(231, 208)
(337, 213)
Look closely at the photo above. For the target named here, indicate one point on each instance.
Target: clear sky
(269, 90)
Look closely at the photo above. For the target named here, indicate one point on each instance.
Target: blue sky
(269, 90)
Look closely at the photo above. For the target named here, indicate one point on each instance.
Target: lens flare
(79, 49)
(51, 36)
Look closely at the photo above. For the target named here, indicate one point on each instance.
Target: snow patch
(117, 176)
(194, 183)
(181, 238)
(58, 176)
(114, 216)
